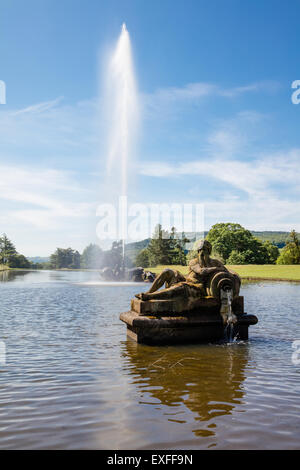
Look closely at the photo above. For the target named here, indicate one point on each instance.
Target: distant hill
(132, 249)
(39, 259)
(277, 238)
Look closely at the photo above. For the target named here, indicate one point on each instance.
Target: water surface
(73, 381)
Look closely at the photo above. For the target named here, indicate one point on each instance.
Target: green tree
(75, 260)
(226, 237)
(65, 258)
(236, 245)
(158, 247)
(7, 250)
(92, 257)
(10, 256)
(19, 261)
(290, 254)
(256, 254)
(177, 248)
(166, 248)
(142, 258)
(113, 258)
(273, 251)
(236, 258)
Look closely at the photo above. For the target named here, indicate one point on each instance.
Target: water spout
(121, 111)
(121, 117)
(229, 318)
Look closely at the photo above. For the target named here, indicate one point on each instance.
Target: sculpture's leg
(167, 276)
(164, 294)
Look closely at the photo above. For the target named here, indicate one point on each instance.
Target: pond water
(71, 380)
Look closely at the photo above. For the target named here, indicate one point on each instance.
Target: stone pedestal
(169, 322)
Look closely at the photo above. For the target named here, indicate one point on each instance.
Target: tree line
(166, 248)
(232, 244)
(9, 255)
(92, 257)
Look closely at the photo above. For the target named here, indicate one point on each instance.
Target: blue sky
(217, 122)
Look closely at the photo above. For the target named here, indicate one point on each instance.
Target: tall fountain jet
(121, 115)
(122, 110)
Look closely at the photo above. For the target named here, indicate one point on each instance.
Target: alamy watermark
(2, 92)
(296, 353)
(296, 94)
(137, 221)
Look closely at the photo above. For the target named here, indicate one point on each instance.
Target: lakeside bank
(268, 272)
(251, 272)
(3, 267)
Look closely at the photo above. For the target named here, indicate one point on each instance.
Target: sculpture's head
(204, 246)
(204, 250)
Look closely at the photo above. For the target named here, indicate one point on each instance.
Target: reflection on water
(208, 380)
(72, 379)
(8, 275)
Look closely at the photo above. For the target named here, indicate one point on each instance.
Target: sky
(217, 123)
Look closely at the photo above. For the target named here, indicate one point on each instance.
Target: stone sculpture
(206, 277)
(195, 308)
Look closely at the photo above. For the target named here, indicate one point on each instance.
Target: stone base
(208, 305)
(166, 326)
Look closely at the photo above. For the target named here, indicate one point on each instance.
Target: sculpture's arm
(196, 268)
(214, 269)
(218, 267)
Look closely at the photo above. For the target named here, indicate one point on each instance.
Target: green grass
(268, 271)
(252, 271)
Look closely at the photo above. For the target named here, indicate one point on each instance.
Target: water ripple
(72, 380)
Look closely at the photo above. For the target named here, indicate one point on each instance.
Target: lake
(70, 379)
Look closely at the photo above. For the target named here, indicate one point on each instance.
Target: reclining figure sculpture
(206, 277)
(204, 306)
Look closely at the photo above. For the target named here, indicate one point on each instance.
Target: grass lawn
(253, 271)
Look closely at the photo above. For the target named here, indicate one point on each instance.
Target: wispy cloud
(198, 90)
(39, 107)
(42, 197)
(254, 185)
(255, 193)
(52, 128)
(254, 177)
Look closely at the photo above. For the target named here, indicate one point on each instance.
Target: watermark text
(137, 221)
(296, 353)
(296, 94)
(2, 92)
(2, 353)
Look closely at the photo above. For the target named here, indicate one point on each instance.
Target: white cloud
(52, 128)
(198, 90)
(260, 192)
(254, 177)
(46, 189)
(39, 107)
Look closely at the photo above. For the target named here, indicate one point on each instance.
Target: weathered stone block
(172, 307)
(194, 327)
